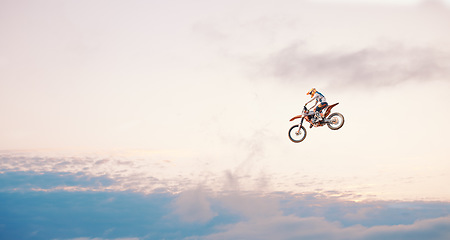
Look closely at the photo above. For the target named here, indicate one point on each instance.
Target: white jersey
(320, 98)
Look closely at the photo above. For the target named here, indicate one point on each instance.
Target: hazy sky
(195, 97)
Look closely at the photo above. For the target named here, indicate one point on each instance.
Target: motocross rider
(315, 95)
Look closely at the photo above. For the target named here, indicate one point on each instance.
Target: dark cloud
(67, 215)
(385, 65)
(201, 214)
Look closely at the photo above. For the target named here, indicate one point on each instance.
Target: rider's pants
(321, 106)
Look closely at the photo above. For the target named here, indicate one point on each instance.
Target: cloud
(250, 169)
(204, 214)
(250, 206)
(438, 228)
(292, 227)
(148, 173)
(276, 227)
(384, 65)
(312, 216)
(433, 4)
(193, 206)
(52, 181)
(88, 238)
(340, 43)
(67, 215)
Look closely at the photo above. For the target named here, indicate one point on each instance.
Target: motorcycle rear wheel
(335, 121)
(297, 137)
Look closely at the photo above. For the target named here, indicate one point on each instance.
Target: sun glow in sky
(193, 98)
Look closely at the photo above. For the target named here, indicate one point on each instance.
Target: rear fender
(327, 112)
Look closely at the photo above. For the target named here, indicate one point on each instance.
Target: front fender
(296, 117)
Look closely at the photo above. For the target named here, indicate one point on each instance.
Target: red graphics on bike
(328, 109)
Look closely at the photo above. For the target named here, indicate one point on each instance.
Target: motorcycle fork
(300, 126)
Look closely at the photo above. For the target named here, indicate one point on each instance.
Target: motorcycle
(334, 121)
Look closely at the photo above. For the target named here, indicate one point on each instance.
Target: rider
(315, 95)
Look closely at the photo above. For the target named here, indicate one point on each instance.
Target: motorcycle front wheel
(295, 135)
(335, 121)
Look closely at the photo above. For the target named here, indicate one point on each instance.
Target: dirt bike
(297, 133)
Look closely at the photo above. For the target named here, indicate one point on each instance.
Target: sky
(168, 120)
